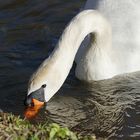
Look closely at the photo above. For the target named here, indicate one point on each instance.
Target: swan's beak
(31, 111)
(35, 98)
(34, 101)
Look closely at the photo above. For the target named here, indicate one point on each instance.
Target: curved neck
(88, 21)
(61, 59)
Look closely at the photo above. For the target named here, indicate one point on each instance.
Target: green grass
(15, 128)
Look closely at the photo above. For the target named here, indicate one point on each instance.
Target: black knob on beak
(28, 101)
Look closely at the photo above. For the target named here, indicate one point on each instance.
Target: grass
(15, 128)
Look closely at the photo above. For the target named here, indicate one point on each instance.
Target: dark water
(29, 31)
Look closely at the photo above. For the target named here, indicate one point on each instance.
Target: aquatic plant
(14, 128)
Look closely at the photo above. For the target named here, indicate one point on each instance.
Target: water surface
(29, 31)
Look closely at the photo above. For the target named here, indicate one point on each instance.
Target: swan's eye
(43, 86)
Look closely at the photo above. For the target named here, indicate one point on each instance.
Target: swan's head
(36, 97)
(42, 85)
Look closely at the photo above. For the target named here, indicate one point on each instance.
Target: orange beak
(32, 111)
(36, 102)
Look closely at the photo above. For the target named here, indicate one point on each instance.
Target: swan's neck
(87, 22)
(60, 62)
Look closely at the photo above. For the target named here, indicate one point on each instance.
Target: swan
(111, 47)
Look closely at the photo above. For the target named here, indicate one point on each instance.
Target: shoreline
(14, 128)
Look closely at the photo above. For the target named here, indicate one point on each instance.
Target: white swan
(98, 60)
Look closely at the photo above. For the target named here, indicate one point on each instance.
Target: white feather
(101, 56)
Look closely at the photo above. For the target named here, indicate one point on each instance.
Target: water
(29, 31)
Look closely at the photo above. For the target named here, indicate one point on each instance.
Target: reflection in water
(29, 31)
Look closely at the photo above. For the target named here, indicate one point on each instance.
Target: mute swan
(97, 60)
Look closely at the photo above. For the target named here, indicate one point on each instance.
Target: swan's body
(124, 18)
(97, 60)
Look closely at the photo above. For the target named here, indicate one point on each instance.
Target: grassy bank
(15, 128)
